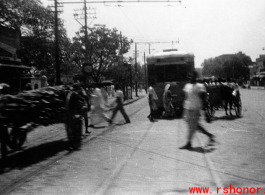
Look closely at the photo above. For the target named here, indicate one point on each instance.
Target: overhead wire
(132, 23)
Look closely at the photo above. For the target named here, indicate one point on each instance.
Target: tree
(36, 24)
(213, 67)
(232, 65)
(103, 50)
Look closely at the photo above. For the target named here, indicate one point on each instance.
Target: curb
(257, 88)
(133, 100)
(127, 102)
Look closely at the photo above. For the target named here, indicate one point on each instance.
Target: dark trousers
(151, 115)
(120, 108)
(202, 130)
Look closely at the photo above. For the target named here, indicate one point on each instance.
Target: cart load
(25, 111)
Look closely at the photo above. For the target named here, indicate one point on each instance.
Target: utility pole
(131, 79)
(145, 74)
(57, 61)
(57, 55)
(135, 60)
(121, 64)
(85, 29)
(86, 61)
(121, 50)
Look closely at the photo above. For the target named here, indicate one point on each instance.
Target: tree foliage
(36, 24)
(232, 66)
(103, 49)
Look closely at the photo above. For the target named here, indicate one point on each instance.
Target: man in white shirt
(119, 106)
(195, 94)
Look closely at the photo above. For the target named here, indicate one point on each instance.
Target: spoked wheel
(238, 107)
(17, 138)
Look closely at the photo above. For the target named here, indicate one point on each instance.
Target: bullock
(220, 96)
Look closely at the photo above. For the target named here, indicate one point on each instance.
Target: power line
(56, 4)
(132, 23)
(136, 1)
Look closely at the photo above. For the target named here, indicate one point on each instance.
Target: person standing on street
(4, 90)
(83, 94)
(195, 95)
(167, 103)
(152, 98)
(119, 106)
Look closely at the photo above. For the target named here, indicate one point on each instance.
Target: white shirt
(119, 94)
(192, 92)
(97, 99)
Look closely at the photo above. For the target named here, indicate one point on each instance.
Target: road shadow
(121, 123)
(202, 149)
(226, 117)
(99, 127)
(177, 116)
(34, 155)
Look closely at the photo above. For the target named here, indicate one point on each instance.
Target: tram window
(182, 72)
(151, 72)
(160, 73)
(171, 72)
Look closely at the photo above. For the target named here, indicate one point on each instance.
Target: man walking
(195, 95)
(119, 106)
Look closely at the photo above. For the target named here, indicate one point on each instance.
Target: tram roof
(168, 54)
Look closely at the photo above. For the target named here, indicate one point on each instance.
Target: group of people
(167, 102)
(97, 102)
(195, 98)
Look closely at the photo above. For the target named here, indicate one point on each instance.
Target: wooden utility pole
(57, 61)
(145, 74)
(86, 42)
(135, 60)
(57, 49)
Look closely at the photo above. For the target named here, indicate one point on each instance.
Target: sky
(206, 28)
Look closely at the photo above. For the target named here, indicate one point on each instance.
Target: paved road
(143, 157)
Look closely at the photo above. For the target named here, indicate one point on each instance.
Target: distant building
(257, 71)
(11, 70)
(261, 63)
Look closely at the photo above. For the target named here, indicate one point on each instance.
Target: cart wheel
(17, 138)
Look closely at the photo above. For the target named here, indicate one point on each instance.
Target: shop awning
(14, 66)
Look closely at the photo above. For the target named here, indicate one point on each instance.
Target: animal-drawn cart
(223, 97)
(22, 113)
